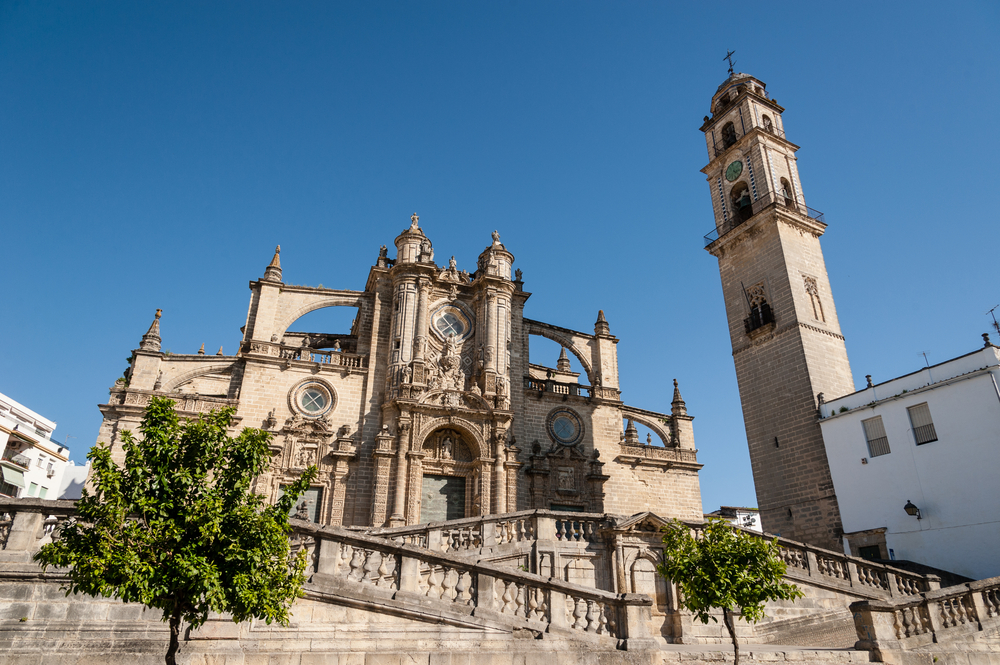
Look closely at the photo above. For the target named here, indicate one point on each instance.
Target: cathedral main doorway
(443, 498)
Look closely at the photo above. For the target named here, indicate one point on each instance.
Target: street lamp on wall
(911, 510)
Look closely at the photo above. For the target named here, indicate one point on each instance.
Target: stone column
(420, 333)
(499, 475)
(398, 517)
(383, 464)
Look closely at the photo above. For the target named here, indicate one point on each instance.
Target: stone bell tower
(787, 344)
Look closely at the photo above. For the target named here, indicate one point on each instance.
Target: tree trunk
(727, 617)
(175, 630)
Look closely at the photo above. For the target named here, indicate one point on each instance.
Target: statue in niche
(404, 374)
(446, 447)
(305, 457)
(566, 479)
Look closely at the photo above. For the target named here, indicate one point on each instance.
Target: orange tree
(719, 567)
(178, 529)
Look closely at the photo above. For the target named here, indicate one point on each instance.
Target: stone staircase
(529, 583)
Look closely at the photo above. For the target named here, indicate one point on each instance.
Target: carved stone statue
(427, 250)
(566, 478)
(446, 447)
(383, 252)
(451, 263)
(517, 275)
(302, 512)
(496, 238)
(413, 222)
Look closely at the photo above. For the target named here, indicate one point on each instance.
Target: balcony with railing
(744, 213)
(16, 458)
(759, 317)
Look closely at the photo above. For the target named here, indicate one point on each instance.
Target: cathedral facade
(429, 408)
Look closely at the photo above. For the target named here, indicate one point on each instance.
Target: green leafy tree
(723, 568)
(178, 528)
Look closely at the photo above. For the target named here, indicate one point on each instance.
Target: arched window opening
(547, 361)
(787, 195)
(728, 134)
(328, 328)
(768, 125)
(760, 309)
(742, 205)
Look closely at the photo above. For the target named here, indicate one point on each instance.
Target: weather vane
(729, 57)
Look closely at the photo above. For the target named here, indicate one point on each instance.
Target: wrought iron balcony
(766, 201)
(759, 316)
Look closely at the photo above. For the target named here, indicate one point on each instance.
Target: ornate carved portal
(564, 478)
(447, 480)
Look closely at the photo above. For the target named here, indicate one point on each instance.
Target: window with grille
(878, 442)
(923, 426)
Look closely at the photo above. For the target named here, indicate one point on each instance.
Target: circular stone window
(313, 398)
(565, 427)
(450, 320)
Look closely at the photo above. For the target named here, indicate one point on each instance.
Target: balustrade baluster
(592, 614)
(357, 563)
(520, 610)
(580, 614)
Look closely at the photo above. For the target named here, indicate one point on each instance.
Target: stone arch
(651, 421)
(300, 304)
(181, 379)
(569, 345)
(466, 427)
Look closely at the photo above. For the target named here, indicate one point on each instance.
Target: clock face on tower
(734, 170)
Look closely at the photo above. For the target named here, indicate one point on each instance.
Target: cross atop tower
(729, 57)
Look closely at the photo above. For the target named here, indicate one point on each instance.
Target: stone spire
(677, 405)
(201, 351)
(631, 433)
(273, 271)
(151, 340)
(219, 353)
(563, 363)
(601, 327)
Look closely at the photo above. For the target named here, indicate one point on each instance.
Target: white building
(33, 465)
(748, 518)
(914, 463)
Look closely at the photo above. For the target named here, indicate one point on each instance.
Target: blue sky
(152, 155)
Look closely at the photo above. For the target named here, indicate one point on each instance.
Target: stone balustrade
(476, 533)
(331, 358)
(381, 567)
(812, 564)
(953, 614)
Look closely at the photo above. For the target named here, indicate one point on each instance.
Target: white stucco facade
(951, 479)
(33, 465)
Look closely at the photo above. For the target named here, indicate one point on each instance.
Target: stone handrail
(936, 616)
(26, 524)
(349, 562)
(474, 533)
(816, 565)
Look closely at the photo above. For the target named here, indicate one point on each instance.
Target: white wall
(952, 480)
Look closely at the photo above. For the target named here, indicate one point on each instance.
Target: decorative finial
(563, 363)
(151, 340)
(414, 218)
(219, 352)
(869, 378)
(201, 351)
(631, 433)
(601, 327)
(677, 405)
(273, 271)
(729, 57)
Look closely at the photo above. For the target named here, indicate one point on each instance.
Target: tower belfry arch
(786, 338)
